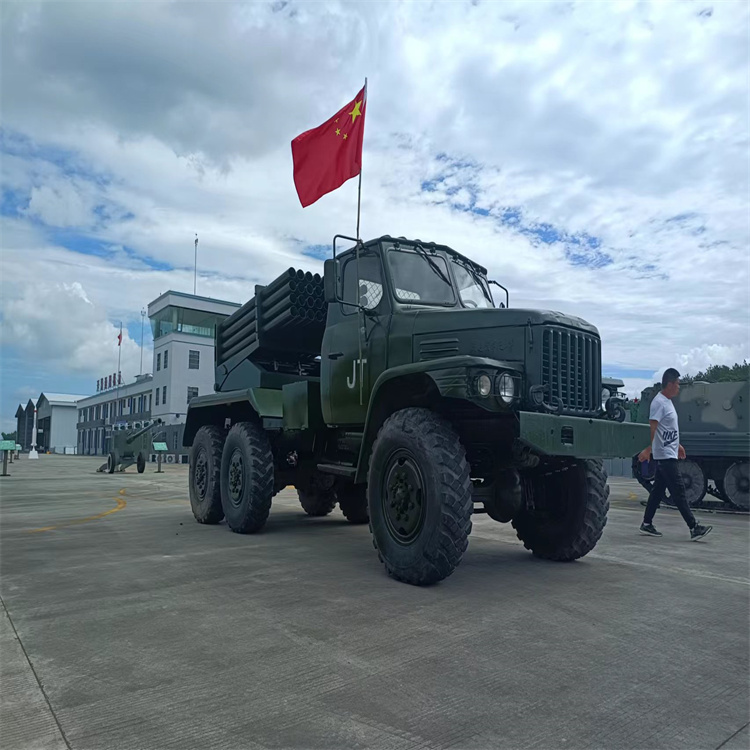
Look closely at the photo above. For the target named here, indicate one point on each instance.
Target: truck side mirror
(331, 280)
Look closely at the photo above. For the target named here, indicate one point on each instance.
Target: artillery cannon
(129, 446)
(714, 423)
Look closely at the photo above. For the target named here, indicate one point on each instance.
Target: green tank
(714, 423)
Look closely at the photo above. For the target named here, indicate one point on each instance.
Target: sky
(593, 156)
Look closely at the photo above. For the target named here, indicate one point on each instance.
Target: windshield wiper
(478, 278)
(433, 265)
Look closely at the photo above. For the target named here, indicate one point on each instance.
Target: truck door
(348, 375)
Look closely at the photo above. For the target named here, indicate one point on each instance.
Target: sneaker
(650, 530)
(698, 532)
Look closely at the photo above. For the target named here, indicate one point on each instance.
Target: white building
(127, 404)
(56, 422)
(183, 327)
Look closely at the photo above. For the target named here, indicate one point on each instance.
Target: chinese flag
(329, 155)
(119, 338)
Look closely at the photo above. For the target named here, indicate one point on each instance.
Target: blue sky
(591, 156)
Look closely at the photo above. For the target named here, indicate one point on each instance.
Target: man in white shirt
(666, 450)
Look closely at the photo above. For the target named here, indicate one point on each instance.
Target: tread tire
(207, 509)
(141, 463)
(583, 483)
(317, 495)
(250, 513)
(439, 545)
(353, 503)
(111, 462)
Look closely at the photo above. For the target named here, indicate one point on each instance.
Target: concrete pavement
(128, 625)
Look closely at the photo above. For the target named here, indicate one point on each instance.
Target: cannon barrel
(138, 433)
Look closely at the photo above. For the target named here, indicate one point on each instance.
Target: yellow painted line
(120, 505)
(632, 496)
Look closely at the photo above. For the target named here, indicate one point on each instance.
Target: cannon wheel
(737, 485)
(141, 463)
(111, 462)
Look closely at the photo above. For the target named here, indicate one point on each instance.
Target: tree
(10, 436)
(722, 373)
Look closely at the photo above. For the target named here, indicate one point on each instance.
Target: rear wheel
(111, 462)
(141, 463)
(565, 510)
(205, 473)
(317, 495)
(353, 503)
(246, 478)
(419, 497)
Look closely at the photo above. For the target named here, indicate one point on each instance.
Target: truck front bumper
(580, 437)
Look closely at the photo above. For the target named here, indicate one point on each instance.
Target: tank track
(727, 506)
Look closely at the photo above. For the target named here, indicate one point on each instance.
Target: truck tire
(111, 462)
(569, 511)
(205, 473)
(318, 495)
(141, 463)
(353, 503)
(419, 497)
(246, 478)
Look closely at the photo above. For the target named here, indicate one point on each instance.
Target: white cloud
(141, 124)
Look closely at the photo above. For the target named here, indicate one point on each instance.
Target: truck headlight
(506, 388)
(484, 385)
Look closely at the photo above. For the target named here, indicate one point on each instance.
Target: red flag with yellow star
(329, 155)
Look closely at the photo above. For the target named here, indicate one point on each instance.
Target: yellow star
(345, 136)
(338, 132)
(336, 120)
(355, 112)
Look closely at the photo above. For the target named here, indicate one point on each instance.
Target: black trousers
(668, 477)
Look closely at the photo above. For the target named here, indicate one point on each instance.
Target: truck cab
(397, 372)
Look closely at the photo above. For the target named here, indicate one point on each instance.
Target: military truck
(395, 387)
(714, 421)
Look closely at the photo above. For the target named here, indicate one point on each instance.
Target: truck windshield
(472, 286)
(421, 278)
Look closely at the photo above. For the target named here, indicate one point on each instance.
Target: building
(25, 424)
(56, 422)
(183, 326)
(127, 404)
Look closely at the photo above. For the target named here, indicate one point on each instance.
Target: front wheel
(204, 474)
(111, 462)
(141, 463)
(246, 478)
(565, 510)
(419, 497)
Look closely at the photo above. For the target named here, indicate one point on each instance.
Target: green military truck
(395, 387)
(714, 421)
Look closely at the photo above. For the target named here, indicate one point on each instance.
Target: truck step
(340, 470)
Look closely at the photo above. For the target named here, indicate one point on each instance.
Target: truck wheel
(318, 496)
(246, 478)
(419, 497)
(111, 462)
(353, 503)
(205, 471)
(565, 511)
(141, 463)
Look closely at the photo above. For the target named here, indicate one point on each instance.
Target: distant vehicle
(395, 387)
(130, 445)
(714, 423)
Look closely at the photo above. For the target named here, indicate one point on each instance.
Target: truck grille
(571, 367)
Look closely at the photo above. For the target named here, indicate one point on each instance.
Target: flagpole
(359, 187)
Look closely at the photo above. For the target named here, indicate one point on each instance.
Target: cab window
(368, 289)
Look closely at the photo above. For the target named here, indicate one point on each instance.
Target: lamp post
(195, 273)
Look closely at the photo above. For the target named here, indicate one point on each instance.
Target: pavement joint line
(36, 676)
(744, 726)
(120, 505)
